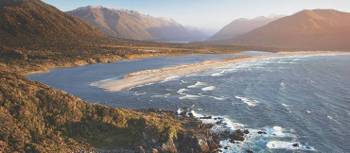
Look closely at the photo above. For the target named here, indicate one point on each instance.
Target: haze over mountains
(241, 26)
(27, 22)
(134, 25)
(306, 30)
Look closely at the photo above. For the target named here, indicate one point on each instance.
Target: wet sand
(156, 75)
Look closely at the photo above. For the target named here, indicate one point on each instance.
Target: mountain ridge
(32, 21)
(241, 26)
(319, 29)
(129, 24)
(37, 118)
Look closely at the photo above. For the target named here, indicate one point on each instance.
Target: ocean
(289, 104)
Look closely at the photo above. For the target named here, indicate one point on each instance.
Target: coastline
(156, 75)
(187, 118)
(49, 67)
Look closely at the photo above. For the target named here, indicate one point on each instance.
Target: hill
(134, 25)
(305, 30)
(30, 22)
(37, 118)
(37, 35)
(241, 26)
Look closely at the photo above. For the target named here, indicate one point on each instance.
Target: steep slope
(35, 34)
(133, 25)
(29, 22)
(241, 26)
(37, 118)
(307, 30)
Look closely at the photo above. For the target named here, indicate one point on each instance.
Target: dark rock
(203, 142)
(219, 122)
(262, 132)
(224, 135)
(237, 135)
(246, 131)
(190, 114)
(206, 117)
(249, 151)
(295, 145)
(218, 118)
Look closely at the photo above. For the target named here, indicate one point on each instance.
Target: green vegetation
(37, 118)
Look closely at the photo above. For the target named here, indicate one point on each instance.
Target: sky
(207, 14)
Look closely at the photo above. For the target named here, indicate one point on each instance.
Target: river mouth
(295, 100)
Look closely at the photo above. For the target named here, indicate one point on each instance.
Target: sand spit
(156, 75)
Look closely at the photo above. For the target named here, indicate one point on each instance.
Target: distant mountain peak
(241, 26)
(317, 13)
(130, 24)
(318, 29)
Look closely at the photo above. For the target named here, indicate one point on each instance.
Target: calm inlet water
(295, 100)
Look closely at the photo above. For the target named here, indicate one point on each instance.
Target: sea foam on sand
(164, 74)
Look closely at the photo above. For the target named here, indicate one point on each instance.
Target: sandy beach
(156, 75)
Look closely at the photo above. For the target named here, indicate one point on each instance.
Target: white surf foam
(330, 117)
(170, 78)
(226, 123)
(139, 93)
(249, 101)
(287, 107)
(269, 136)
(143, 85)
(210, 88)
(288, 145)
(179, 111)
(283, 85)
(161, 96)
(218, 74)
(278, 131)
(218, 98)
(189, 97)
(198, 84)
(100, 82)
(182, 91)
(182, 81)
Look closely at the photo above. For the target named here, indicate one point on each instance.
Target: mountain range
(242, 26)
(36, 118)
(319, 29)
(129, 24)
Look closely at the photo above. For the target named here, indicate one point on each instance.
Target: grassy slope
(37, 118)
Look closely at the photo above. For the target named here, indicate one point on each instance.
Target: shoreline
(78, 63)
(156, 75)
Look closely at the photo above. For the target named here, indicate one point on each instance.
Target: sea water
(301, 104)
